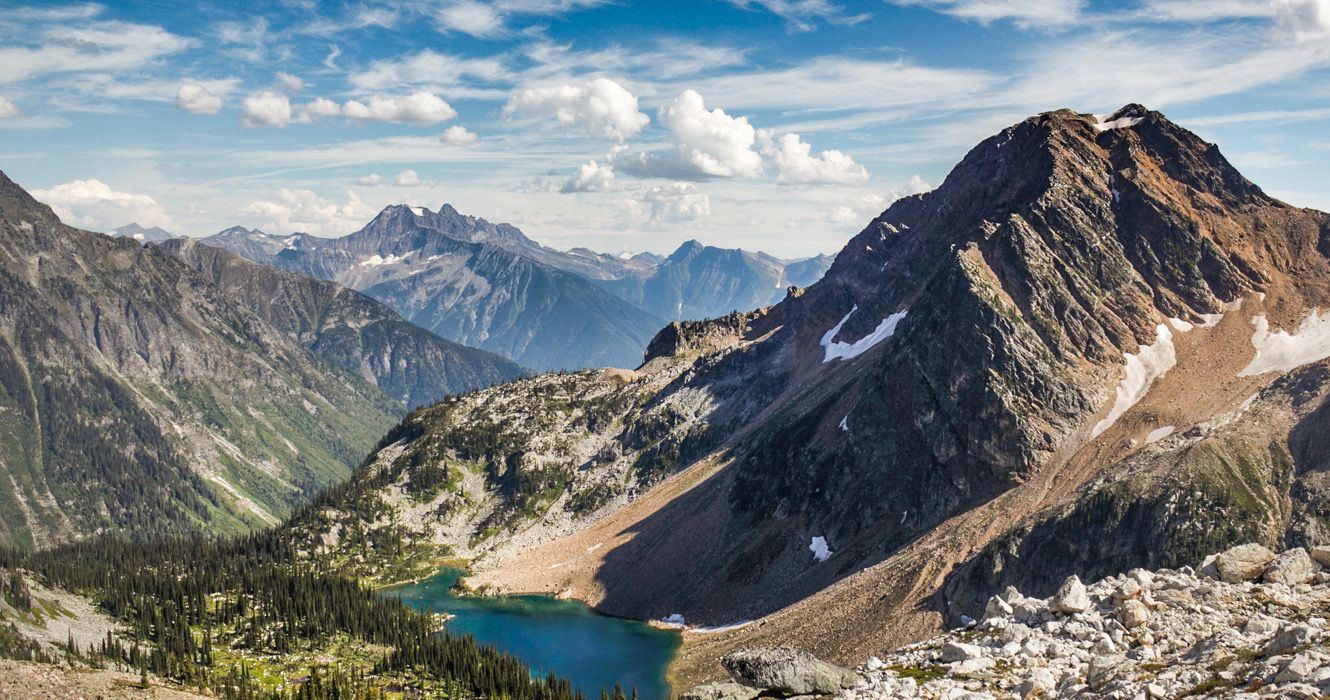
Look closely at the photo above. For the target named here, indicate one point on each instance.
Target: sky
(776, 125)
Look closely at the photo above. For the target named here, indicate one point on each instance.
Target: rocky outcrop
(1145, 634)
(786, 671)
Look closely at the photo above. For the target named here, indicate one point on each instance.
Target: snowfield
(1280, 352)
(819, 548)
(836, 350)
(1139, 373)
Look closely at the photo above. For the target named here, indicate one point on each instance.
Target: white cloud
(290, 83)
(665, 206)
(457, 135)
(866, 207)
(267, 109)
(96, 46)
(407, 178)
(795, 164)
(1023, 13)
(590, 177)
(417, 108)
(1304, 18)
(321, 107)
(92, 204)
(371, 180)
(490, 18)
(196, 98)
(602, 107)
(431, 70)
(7, 108)
(711, 142)
(801, 14)
(290, 210)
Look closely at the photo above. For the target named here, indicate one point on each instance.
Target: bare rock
(1243, 563)
(720, 691)
(1133, 613)
(1321, 555)
(1071, 597)
(1291, 568)
(787, 671)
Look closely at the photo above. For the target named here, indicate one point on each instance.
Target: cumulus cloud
(267, 108)
(1023, 13)
(427, 69)
(417, 108)
(7, 108)
(590, 177)
(861, 210)
(796, 165)
(302, 210)
(665, 206)
(712, 143)
(490, 18)
(270, 108)
(602, 107)
(370, 180)
(290, 83)
(457, 136)
(407, 178)
(196, 98)
(1304, 18)
(92, 204)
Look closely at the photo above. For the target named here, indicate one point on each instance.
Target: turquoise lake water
(564, 636)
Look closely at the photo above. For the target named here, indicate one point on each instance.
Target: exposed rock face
(787, 671)
(350, 330)
(135, 397)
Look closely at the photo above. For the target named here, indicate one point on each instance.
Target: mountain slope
(350, 330)
(697, 281)
(136, 397)
(473, 282)
(1036, 362)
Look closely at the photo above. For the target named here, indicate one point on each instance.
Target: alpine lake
(565, 637)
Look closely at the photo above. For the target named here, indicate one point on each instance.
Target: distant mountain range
(151, 390)
(153, 234)
(490, 286)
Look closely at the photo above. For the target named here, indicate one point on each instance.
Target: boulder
(720, 691)
(957, 651)
(1039, 682)
(1300, 669)
(1071, 597)
(1104, 670)
(1321, 555)
(787, 671)
(1290, 637)
(1133, 613)
(1291, 568)
(1243, 563)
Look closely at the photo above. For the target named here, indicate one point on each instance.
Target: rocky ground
(1247, 624)
(37, 681)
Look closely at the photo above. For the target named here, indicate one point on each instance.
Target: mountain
(1096, 346)
(480, 284)
(143, 235)
(349, 330)
(698, 282)
(137, 397)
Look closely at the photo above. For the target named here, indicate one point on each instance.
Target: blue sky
(781, 125)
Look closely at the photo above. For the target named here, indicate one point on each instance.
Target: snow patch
(819, 548)
(1120, 123)
(377, 260)
(713, 629)
(836, 350)
(418, 211)
(1158, 434)
(1280, 352)
(1181, 325)
(1140, 372)
(845, 424)
(675, 619)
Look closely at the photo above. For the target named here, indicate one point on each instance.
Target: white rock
(997, 607)
(1321, 555)
(959, 651)
(1040, 681)
(1133, 613)
(1291, 568)
(1071, 597)
(1243, 563)
(1290, 636)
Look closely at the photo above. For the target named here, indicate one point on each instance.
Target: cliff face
(136, 397)
(985, 369)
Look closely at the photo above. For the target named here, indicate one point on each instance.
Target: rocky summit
(1189, 632)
